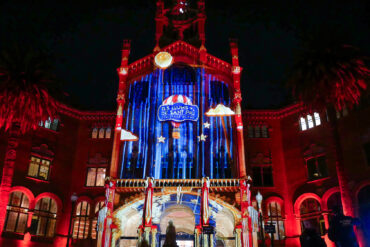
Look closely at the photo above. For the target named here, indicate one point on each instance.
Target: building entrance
(185, 243)
(184, 211)
(183, 239)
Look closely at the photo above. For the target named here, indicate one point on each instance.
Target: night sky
(84, 40)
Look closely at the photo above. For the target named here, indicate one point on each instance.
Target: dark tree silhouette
(25, 101)
(331, 79)
(26, 82)
(334, 77)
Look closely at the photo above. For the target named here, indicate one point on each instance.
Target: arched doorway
(335, 202)
(224, 228)
(184, 210)
(183, 219)
(220, 243)
(311, 217)
(364, 210)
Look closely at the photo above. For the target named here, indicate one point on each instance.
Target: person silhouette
(310, 238)
(144, 243)
(170, 235)
(341, 229)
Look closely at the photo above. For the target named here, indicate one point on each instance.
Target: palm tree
(25, 85)
(25, 101)
(340, 72)
(332, 79)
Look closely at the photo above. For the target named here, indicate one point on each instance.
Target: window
(17, 212)
(81, 221)
(258, 131)
(94, 133)
(309, 122)
(275, 218)
(250, 132)
(108, 133)
(50, 124)
(316, 168)
(342, 113)
(39, 168)
(265, 133)
(98, 206)
(102, 133)
(317, 118)
(311, 217)
(303, 123)
(367, 152)
(95, 176)
(44, 218)
(262, 176)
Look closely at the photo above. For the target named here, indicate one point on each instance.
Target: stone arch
(326, 196)
(225, 223)
(213, 199)
(84, 198)
(301, 198)
(99, 198)
(133, 218)
(363, 208)
(131, 213)
(277, 199)
(27, 192)
(356, 190)
(182, 217)
(359, 187)
(52, 196)
(90, 203)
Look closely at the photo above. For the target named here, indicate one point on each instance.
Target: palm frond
(25, 84)
(330, 77)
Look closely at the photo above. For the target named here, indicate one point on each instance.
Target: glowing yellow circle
(163, 59)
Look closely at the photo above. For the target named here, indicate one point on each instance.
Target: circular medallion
(163, 59)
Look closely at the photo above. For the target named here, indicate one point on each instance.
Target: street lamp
(74, 198)
(259, 202)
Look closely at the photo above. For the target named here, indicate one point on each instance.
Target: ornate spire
(181, 20)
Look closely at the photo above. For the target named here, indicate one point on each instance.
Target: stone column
(139, 235)
(197, 236)
(110, 189)
(147, 231)
(27, 235)
(327, 240)
(7, 173)
(154, 236)
(205, 240)
(238, 236)
(211, 240)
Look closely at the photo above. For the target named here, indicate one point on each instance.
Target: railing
(190, 183)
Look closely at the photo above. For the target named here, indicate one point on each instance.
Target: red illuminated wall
(73, 146)
(288, 146)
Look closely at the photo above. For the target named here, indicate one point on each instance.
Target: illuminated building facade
(179, 138)
(179, 123)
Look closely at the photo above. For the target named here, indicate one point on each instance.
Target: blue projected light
(157, 103)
